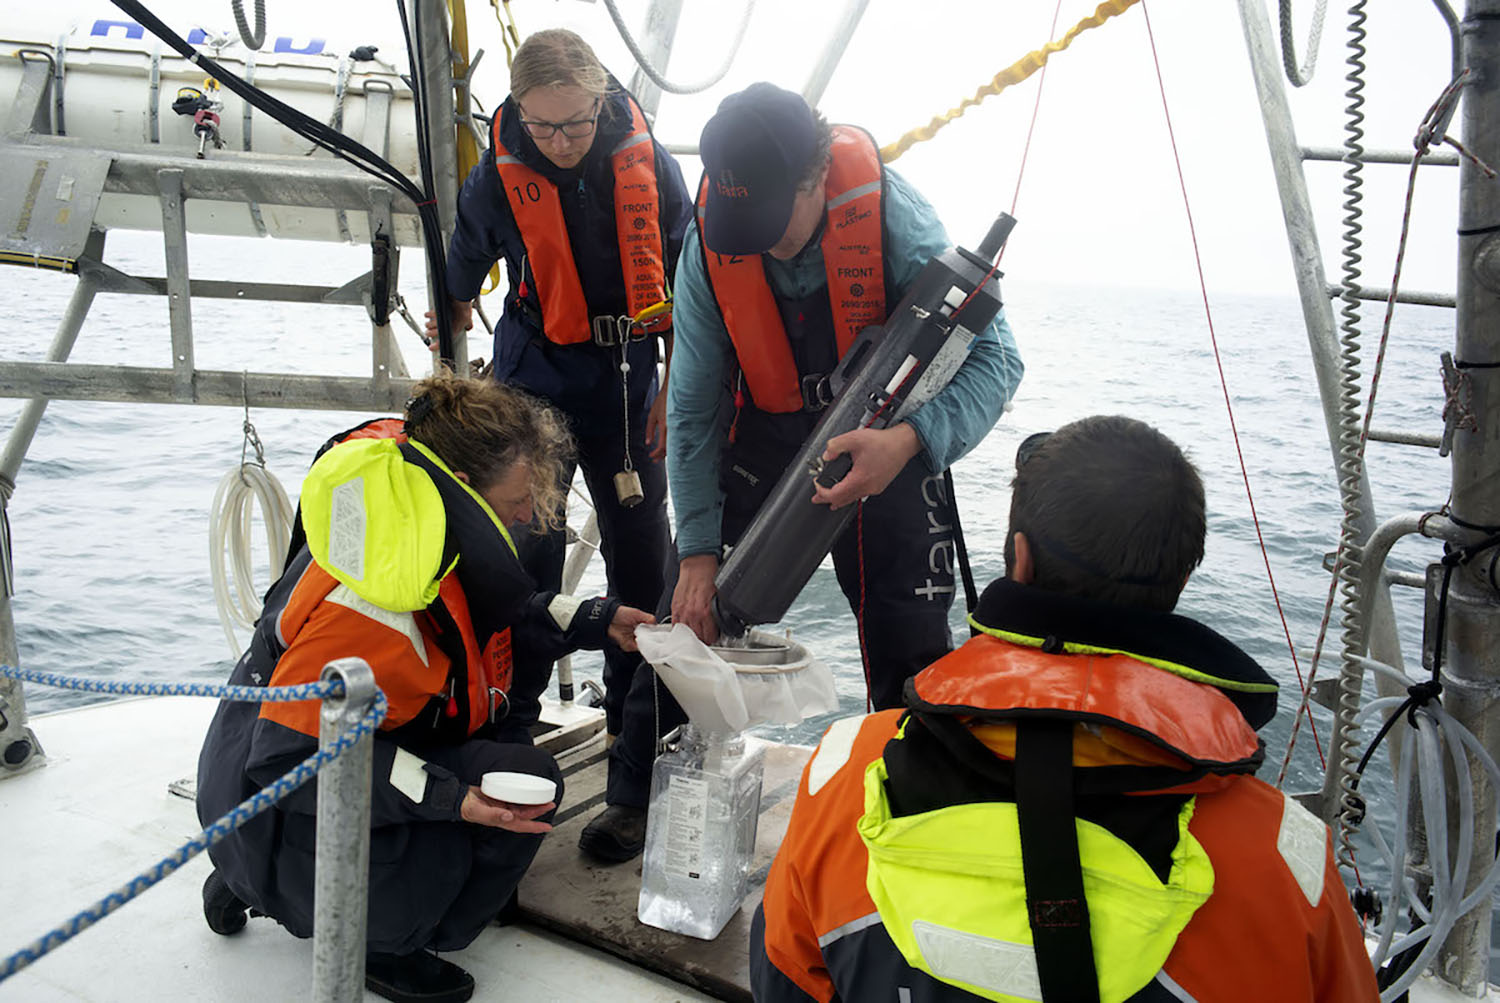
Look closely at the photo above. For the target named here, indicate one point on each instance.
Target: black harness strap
(1055, 905)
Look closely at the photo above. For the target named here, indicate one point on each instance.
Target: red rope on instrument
(1224, 382)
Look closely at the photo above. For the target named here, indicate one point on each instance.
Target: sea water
(700, 832)
(109, 521)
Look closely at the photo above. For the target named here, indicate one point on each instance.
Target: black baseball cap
(754, 151)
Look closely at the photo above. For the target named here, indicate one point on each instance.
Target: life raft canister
(537, 208)
(852, 259)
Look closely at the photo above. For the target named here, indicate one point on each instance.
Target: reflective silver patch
(833, 752)
(1303, 842)
(562, 609)
(996, 965)
(346, 528)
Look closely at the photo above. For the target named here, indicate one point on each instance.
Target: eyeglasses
(578, 128)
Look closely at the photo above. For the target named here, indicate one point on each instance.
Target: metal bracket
(247, 131)
(1457, 394)
(378, 97)
(179, 292)
(153, 98)
(60, 58)
(28, 111)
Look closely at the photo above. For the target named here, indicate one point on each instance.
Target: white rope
(229, 543)
(1299, 77)
(1433, 759)
(655, 75)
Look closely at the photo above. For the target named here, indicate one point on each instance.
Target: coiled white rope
(229, 543)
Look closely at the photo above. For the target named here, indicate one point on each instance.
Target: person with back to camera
(1066, 809)
(408, 563)
(803, 239)
(587, 211)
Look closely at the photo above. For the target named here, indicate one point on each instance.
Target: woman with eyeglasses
(588, 213)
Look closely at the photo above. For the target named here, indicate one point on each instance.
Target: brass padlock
(628, 488)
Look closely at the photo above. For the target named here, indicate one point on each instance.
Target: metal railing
(353, 707)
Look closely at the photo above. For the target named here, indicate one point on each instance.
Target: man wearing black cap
(803, 239)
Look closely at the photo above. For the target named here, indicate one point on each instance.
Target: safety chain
(220, 828)
(411, 322)
(252, 438)
(265, 694)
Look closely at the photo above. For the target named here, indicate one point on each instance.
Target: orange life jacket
(1278, 924)
(413, 679)
(537, 208)
(852, 259)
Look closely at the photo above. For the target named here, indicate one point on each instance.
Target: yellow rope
(508, 33)
(1012, 74)
(468, 150)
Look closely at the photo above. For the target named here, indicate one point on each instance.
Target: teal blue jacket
(703, 363)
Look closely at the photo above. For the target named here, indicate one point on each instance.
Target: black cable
(971, 597)
(414, 54)
(330, 139)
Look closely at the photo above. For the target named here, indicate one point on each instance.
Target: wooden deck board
(593, 903)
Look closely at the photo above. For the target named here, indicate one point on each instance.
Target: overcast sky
(1100, 201)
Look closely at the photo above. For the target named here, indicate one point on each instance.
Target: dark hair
(1112, 510)
(822, 154)
(482, 428)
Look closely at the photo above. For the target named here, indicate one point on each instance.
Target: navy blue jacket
(581, 380)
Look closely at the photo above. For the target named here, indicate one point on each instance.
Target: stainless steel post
(656, 45)
(838, 41)
(179, 291)
(62, 346)
(341, 883)
(1317, 312)
(1471, 661)
(19, 749)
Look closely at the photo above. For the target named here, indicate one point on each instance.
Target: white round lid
(517, 788)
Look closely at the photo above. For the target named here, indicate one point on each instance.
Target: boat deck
(101, 811)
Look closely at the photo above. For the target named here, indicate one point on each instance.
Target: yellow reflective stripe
(1186, 672)
(471, 492)
(955, 875)
(1012, 74)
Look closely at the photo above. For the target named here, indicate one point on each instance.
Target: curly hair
(483, 428)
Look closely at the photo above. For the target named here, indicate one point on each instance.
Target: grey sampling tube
(888, 372)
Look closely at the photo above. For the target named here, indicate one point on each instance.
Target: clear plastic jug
(700, 832)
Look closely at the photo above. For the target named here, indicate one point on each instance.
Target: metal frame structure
(1471, 656)
(28, 149)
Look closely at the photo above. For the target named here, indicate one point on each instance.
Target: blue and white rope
(251, 694)
(221, 828)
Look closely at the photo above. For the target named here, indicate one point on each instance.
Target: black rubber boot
(221, 907)
(419, 977)
(616, 835)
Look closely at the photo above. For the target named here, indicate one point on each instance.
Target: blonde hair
(557, 57)
(483, 428)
